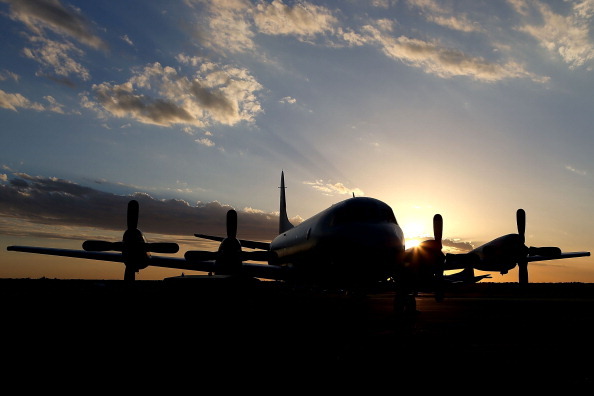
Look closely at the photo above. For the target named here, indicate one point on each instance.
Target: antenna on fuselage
(283, 220)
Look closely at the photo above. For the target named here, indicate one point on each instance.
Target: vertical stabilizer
(283, 220)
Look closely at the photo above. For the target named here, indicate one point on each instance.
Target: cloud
(302, 19)
(58, 202)
(161, 96)
(233, 25)
(443, 62)
(576, 171)
(14, 101)
(6, 75)
(54, 106)
(58, 53)
(456, 245)
(205, 142)
(41, 15)
(439, 14)
(127, 40)
(565, 35)
(230, 28)
(334, 188)
(288, 99)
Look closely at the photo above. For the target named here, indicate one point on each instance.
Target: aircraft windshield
(363, 212)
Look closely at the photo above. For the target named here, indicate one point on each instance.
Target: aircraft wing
(157, 261)
(256, 270)
(561, 256)
(244, 242)
(105, 256)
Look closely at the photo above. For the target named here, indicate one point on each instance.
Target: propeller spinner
(135, 250)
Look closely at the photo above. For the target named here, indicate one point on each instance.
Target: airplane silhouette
(504, 253)
(355, 244)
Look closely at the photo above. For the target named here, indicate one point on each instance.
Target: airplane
(355, 245)
(505, 252)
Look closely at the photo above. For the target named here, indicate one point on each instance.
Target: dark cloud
(37, 14)
(19, 183)
(51, 201)
(121, 102)
(211, 100)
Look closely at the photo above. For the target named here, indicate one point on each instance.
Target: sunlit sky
(471, 109)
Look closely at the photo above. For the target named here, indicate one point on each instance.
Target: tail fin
(283, 221)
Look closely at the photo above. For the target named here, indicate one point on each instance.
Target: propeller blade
(132, 215)
(523, 273)
(438, 228)
(101, 246)
(548, 251)
(163, 247)
(129, 273)
(231, 224)
(200, 255)
(521, 220)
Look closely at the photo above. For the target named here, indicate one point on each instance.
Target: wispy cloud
(8, 75)
(205, 142)
(567, 36)
(13, 101)
(288, 99)
(334, 188)
(440, 14)
(233, 25)
(127, 40)
(302, 19)
(576, 171)
(43, 16)
(442, 62)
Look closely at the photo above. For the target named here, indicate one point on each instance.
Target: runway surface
(490, 336)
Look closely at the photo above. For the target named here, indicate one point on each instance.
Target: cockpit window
(363, 212)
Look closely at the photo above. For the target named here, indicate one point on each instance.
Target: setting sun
(410, 243)
(414, 230)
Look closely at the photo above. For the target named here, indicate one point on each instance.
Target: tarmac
(484, 336)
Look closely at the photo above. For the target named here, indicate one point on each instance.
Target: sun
(413, 230)
(410, 243)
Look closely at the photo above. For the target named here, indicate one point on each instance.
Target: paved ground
(488, 336)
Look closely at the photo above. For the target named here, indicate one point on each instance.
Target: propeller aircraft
(355, 244)
(504, 253)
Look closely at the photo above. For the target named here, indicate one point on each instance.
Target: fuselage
(357, 241)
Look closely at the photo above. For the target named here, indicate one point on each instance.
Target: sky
(471, 109)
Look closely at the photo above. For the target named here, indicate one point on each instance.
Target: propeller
(547, 251)
(229, 256)
(439, 258)
(135, 250)
(428, 260)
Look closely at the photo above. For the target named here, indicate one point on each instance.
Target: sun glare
(414, 230)
(410, 243)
